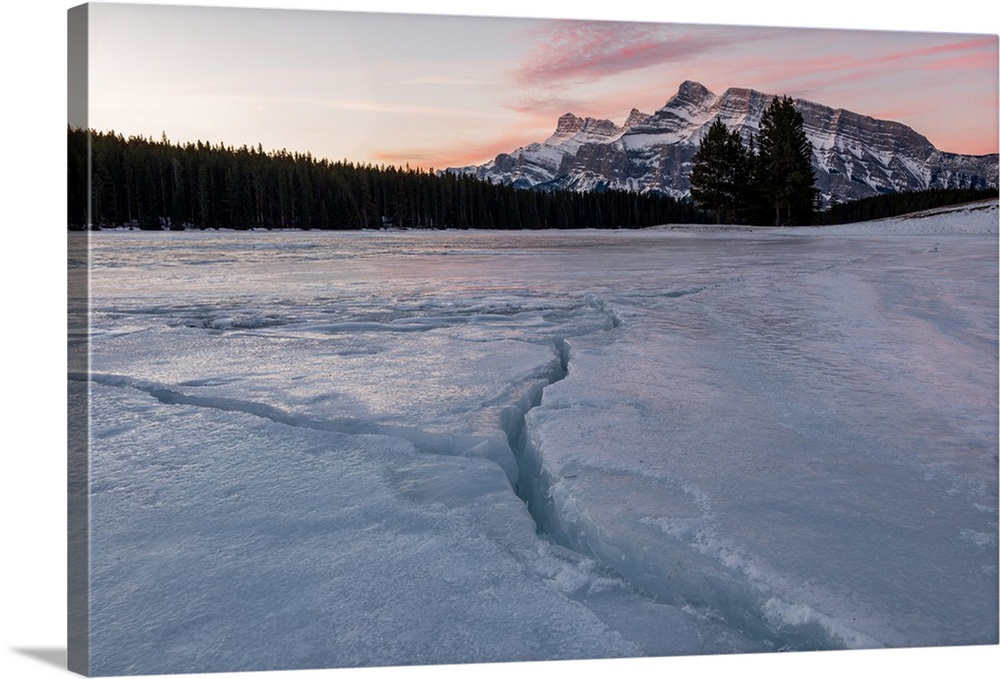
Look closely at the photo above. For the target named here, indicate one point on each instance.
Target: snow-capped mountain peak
(854, 155)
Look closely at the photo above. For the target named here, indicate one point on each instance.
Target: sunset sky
(439, 91)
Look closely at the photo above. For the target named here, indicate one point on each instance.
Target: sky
(439, 91)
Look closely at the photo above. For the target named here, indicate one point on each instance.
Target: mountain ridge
(854, 155)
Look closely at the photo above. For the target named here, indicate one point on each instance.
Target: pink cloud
(965, 62)
(964, 55)
(984, 45)
(582, 51)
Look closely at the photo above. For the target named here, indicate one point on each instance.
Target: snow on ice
(342, 449)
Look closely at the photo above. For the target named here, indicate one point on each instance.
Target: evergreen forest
(142, 183)
(150, 184)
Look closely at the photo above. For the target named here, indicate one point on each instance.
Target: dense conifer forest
(148, 184)
(152, 184)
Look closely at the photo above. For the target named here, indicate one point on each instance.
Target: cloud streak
(586, 51)
(818, 76)
(981, 45)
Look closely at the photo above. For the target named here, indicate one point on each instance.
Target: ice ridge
(495, 448)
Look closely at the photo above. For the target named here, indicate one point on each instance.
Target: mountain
(854, 156)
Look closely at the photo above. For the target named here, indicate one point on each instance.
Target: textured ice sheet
(225, 542)
(307, 446)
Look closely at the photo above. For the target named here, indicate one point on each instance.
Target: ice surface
(321, 449)
(228, 542)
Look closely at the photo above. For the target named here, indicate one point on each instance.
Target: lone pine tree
(719, 174)
(784, 173)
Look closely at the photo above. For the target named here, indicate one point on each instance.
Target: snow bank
(973, 218)
(980, 217)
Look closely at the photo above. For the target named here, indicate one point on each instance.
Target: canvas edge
(78, 355)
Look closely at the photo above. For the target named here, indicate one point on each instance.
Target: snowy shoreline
(979, 217)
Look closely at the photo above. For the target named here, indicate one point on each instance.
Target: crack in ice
(477, 445)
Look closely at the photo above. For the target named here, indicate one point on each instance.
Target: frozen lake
(316, 449)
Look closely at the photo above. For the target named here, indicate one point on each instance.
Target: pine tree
(719, 173)
(784, 173)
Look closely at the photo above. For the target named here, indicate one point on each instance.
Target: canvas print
(402, 340)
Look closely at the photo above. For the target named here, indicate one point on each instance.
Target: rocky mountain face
(854, 156)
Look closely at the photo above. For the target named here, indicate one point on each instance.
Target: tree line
(768, 181)
(148, 184)
(155, 184)
(888, 205)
